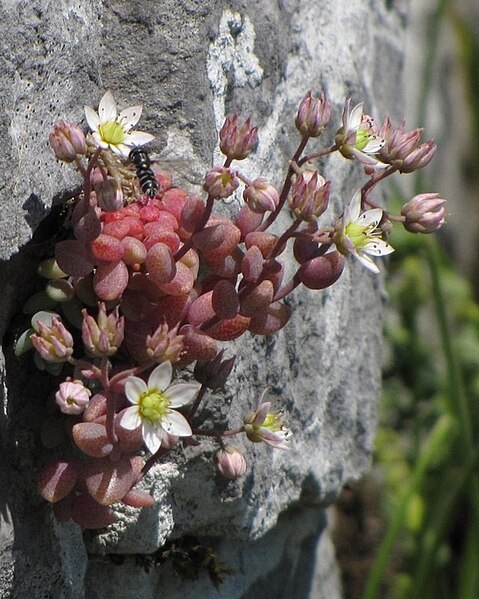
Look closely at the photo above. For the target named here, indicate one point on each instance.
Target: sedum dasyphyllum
(144, 286)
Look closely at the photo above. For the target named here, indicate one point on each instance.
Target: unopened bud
(164, 345)
(103, 336)
(67, 141)
(109, 195)
(221, 182)
(231, 462)
(421, 157)
(237, 142)
(310, 195)
(213, 373)
(313, 115)
(51, 339)
(261, 196)
(424, 213)
(72, 397)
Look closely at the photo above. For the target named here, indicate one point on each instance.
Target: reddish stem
(286, 186)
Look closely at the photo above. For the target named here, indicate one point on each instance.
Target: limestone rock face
(190, 64)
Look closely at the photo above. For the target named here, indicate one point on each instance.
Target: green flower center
(272, 422)
(153, 405)
(363, 137)
(112, 133)
(361, 235)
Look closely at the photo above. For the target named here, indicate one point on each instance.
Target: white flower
(112, 130)
(358, 138)
(266, 425)
(358, 234)
(153, 403)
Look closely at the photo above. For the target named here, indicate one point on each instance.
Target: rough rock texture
(190, 63)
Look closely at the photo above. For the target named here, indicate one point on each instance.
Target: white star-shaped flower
(358, 234)
(113, 130)
(357, 138)
(153, 406)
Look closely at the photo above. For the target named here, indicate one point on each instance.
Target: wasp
(148, 183)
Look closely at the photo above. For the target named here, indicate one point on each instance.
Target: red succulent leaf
(96, 407)
(57, 479)
(197, 345)
(107, 481)
(229, 329)
(248, 221)
(92, 439)
(87, 513)
(182, 283)
(72, 259)
(225, 300)
(138, 498)
(160, 264)
(107, 248)
(174, 201)
(271, 321)
(110, 280)
(322, 271)
(258, 301)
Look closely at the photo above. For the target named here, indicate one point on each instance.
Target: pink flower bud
(52, 340)
(310, 195)
(103, 336)
(421, 157)
(424, 213)
(261, 196)
(221, 182)
(313, 115)
(72, 397)
(164, 345)
(237, 142)
(109, 195)
(401, 147)
(67, 141)
(231, 462)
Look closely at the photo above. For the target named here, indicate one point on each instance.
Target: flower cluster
(151, 279)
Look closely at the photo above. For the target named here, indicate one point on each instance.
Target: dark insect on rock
(148, 183)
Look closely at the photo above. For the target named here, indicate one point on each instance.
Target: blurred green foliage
(428, 440)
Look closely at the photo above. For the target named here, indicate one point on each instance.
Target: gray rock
(191, 63)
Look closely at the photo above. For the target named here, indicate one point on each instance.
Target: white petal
(175, 423)
(276, 440)
(92, 118)
(367, 262)
(130, 116)
(353, 209)
(182, 393)
(371, 217)
(151, 437)
(355, 117)
(377, 247)
(138, 138)
(130, 419)
(134, 388)
(120, 149)
(107, 108)
(374, 145)
(345, 113)
(99, 141)
(160, 378)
